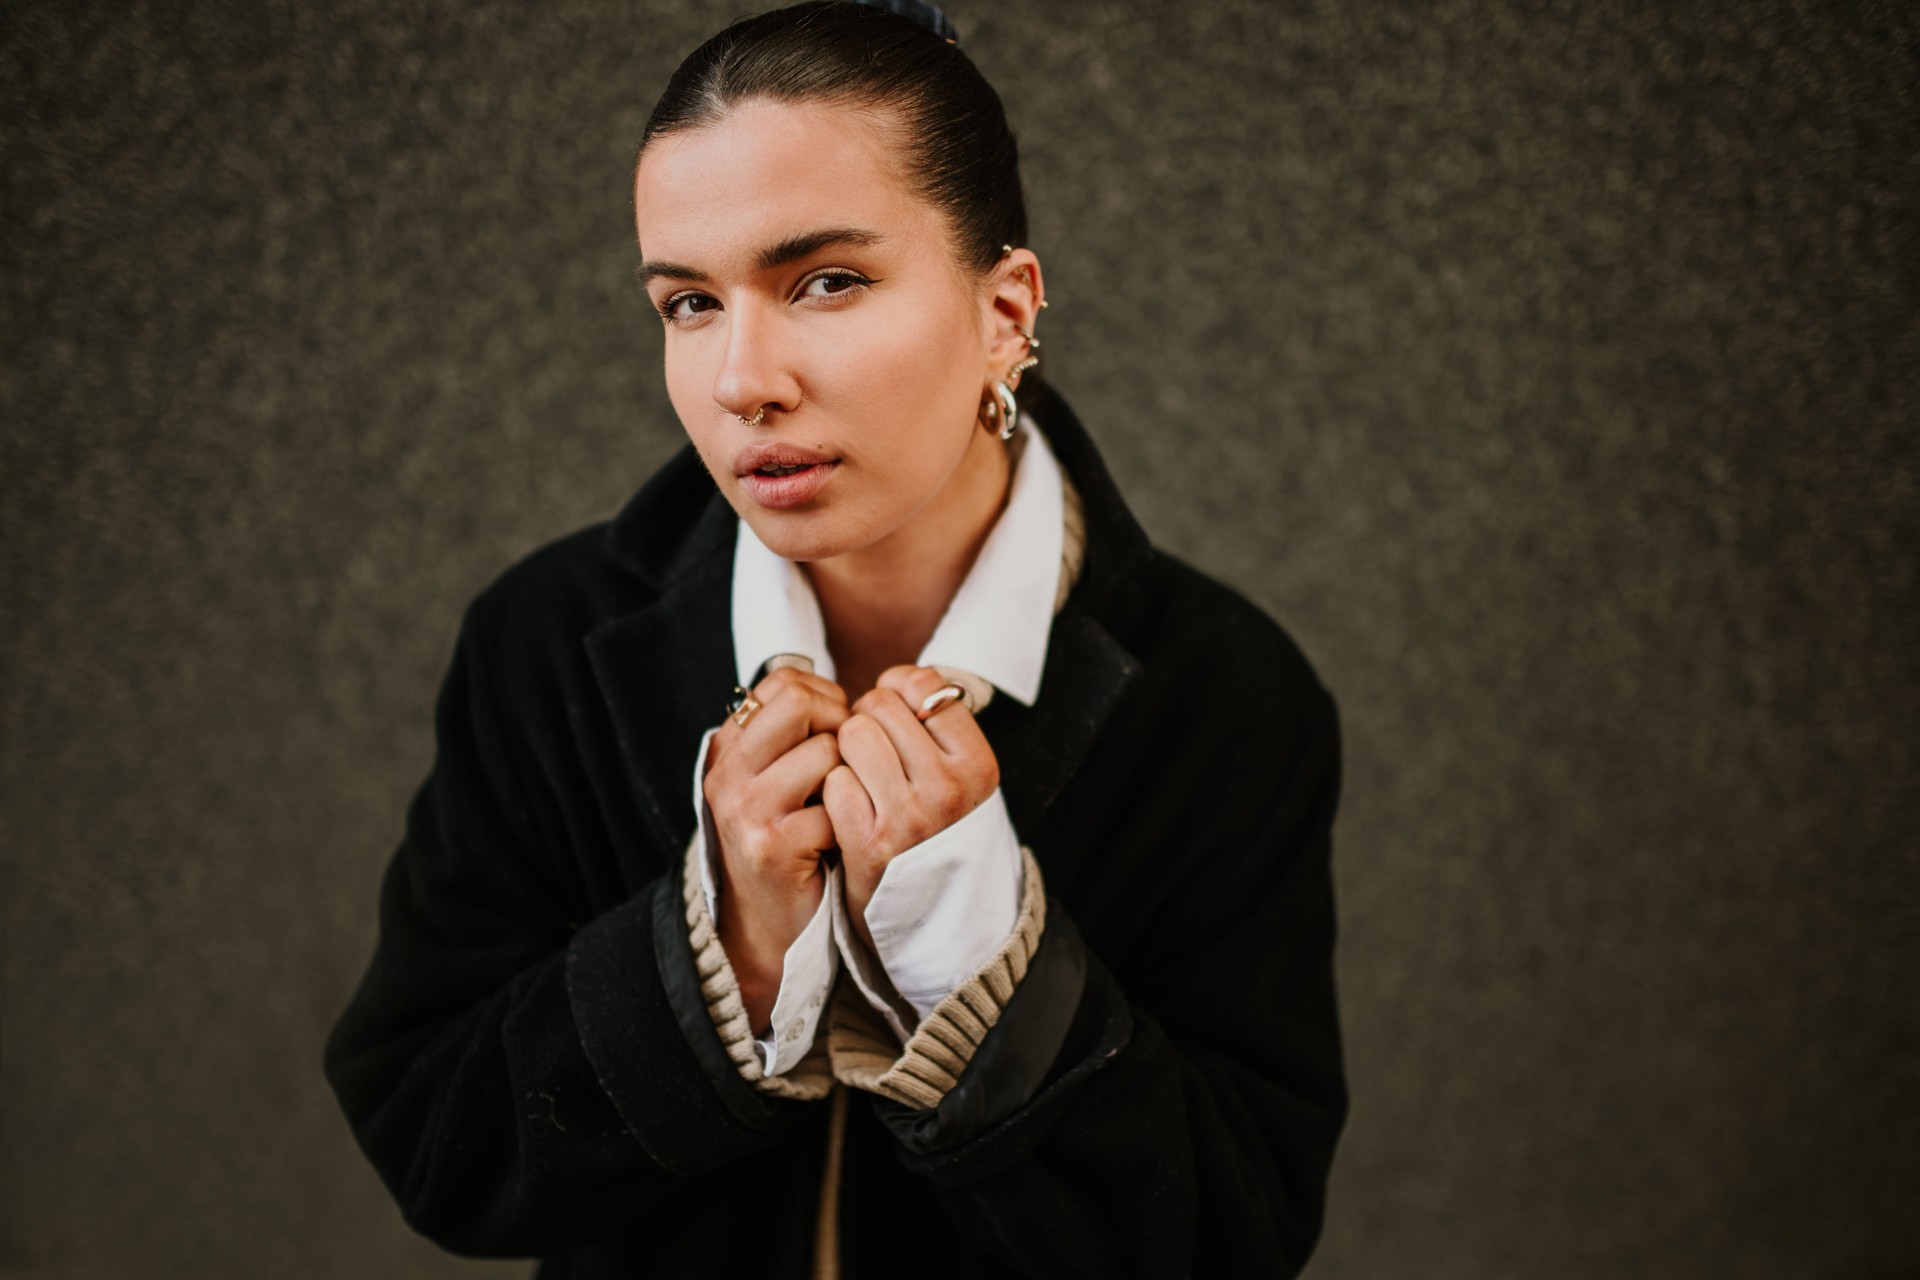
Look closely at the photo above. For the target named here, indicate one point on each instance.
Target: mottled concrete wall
(1548, 369)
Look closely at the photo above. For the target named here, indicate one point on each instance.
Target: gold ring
(741, 706)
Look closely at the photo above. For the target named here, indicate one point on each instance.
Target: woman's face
(799, 275)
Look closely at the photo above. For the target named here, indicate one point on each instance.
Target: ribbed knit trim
(810, 1078)
(865, 1054)
(1073, 547)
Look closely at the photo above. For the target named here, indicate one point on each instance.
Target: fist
(760, 783)
(901, 779)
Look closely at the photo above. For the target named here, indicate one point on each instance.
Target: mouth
(784, 486)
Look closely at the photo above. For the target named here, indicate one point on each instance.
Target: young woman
(986, 928)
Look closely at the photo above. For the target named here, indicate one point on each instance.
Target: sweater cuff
(810, 1077)
(866, 1054)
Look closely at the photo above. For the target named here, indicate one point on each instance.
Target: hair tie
(920, 13)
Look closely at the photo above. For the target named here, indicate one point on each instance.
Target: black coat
(528, 1062)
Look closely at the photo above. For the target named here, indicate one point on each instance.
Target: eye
(833, 283)
(682, 308)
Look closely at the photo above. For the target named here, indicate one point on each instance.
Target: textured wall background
(1549, 370)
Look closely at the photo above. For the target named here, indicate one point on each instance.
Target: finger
(785, 784)
(782, 682)
(848, 806)
(808, 828)
(790, 714)
(788, 677)
(920, 756)
(951, 726)
(867, 749)
(913, 684)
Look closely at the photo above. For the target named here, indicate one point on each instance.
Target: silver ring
(939, 698)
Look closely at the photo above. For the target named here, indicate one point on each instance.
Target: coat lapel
(1040, 747)
(1088, 669)
(665, 669)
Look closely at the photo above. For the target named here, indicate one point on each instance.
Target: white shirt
(947, 905)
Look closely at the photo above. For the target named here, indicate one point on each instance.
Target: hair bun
(929, 16)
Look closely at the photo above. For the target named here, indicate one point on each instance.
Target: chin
(802, 535)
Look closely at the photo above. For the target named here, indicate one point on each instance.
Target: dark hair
(959, 153)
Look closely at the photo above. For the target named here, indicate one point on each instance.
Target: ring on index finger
(741, 706)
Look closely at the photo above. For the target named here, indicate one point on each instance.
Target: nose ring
(756, 417)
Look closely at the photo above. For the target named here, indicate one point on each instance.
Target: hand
(902, 779)
(758, 783)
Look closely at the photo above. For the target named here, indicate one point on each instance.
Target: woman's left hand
(903, 779)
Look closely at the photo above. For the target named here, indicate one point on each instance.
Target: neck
(882, 602)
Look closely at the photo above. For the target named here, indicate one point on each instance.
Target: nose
(754, 377)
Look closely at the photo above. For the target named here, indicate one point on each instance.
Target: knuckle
(757, 847)
(947, 798)
(776, 683)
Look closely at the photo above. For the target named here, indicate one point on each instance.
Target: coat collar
(666, 669)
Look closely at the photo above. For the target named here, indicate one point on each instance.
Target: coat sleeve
(1182, 1122)
(523, 1081)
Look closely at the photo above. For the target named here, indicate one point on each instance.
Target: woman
(987, 928)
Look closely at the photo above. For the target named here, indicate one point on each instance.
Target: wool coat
(530, 1067)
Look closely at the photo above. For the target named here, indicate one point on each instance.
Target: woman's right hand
(758, 783)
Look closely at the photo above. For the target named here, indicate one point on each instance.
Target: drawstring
(826, 1235)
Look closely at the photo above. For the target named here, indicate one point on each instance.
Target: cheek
(912, 373)
(690, 391)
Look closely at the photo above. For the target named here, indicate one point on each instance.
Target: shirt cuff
(707, 838)
(806, 979)
(943, 909)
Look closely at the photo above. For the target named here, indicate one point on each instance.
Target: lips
(781, 476)
(772, 456)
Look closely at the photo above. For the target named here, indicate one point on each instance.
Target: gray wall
(1549, 370)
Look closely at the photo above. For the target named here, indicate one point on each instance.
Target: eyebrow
(792, 249)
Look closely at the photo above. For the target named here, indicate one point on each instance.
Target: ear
(1010, 308)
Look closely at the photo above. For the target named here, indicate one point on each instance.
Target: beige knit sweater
(859, 1050)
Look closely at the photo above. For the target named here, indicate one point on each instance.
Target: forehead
(713, 195)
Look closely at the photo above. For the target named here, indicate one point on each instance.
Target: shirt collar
(997, 624)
